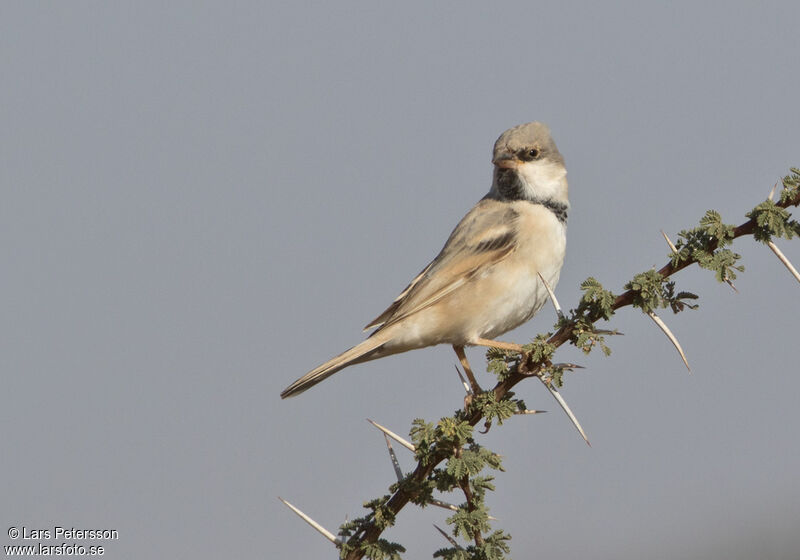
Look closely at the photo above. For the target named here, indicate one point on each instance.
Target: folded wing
(483, 238)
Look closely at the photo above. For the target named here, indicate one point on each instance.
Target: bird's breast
(541, 241)
(501, 297)
(513, 291)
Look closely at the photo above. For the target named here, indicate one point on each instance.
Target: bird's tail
(363, 352)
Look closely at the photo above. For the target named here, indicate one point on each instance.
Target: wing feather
(383, 317)
(484, 237)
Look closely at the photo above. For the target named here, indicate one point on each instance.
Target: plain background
(202, 201)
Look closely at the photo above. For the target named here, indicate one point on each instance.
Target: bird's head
(528, 165)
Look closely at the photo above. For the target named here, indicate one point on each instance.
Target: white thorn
(395, 463)
(567, 366)
(523, 412)
(444, 505)
(784, 260)
(467, 388)
(393, 435)
(614, 332)
(772, 192)
(325, 533)
(657, 320)
(566, 408)
(552, 296)
(451, 507)
(728, 280)
(669, 242)
(449, 538)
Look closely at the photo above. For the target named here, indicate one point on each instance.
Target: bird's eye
(534, 153)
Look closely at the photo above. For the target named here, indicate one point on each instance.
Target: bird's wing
(383, 317)
(484, 237)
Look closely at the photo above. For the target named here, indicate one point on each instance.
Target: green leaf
(596, 302)
(715, 229)
(382, 550)
(772, 221)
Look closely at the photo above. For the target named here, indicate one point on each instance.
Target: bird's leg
(496, 344)
(476, 389)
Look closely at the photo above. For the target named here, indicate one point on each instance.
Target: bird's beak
(506, 161)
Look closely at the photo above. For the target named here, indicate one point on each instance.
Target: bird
(489, 277)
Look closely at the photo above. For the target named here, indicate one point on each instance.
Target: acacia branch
(409, 490)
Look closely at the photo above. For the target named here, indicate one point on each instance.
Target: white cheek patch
(544, 179)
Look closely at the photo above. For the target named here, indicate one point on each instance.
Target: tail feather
(357, 354)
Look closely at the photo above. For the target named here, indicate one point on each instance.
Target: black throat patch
(557, 208)
(511, 188)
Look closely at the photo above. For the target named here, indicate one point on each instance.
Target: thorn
(567, 366)
(566, 408)
(443, 505)
(325, 533)
(395, 463)
(784, 260)
(615, 332)
(393, 435)
(728, 280)
(451, 507)
(486, 427)
(657, 320)
(467, 388)
(772, 192)
(450, 539)
(552, 296)
(474, 388)
(524, 412)
(669, 242)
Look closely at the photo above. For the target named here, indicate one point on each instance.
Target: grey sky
(201, 202)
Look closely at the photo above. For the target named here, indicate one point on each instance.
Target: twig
(470, 506)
